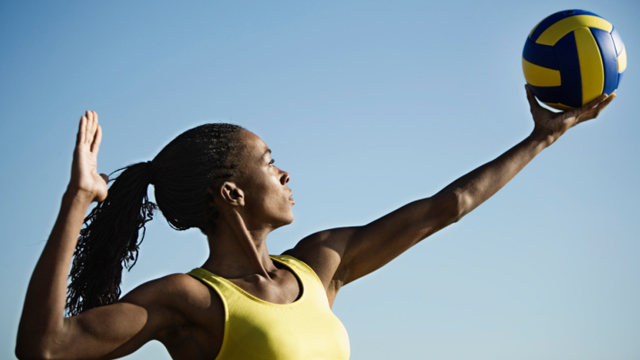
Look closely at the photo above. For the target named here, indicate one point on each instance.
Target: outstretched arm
(340, 256)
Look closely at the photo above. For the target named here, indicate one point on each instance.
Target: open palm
(84, 171)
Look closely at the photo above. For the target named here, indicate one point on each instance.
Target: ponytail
(109, 240)
(182, 174)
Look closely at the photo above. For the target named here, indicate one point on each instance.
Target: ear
(231, 194)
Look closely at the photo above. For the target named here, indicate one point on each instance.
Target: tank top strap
(299, 267)
(219, 284)
(211, 279)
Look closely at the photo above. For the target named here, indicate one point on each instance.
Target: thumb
(533, 102)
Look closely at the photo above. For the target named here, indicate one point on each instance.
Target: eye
(272, 161)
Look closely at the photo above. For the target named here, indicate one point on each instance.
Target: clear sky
(368, 105)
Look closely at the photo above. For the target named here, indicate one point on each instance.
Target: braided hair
(182, 174)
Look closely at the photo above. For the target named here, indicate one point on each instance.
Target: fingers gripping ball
(572, 57)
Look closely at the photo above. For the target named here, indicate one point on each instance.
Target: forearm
(43, 313)
(472, 189)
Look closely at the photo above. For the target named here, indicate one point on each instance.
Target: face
(268, 199)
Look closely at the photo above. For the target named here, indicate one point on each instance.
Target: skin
(187, 316)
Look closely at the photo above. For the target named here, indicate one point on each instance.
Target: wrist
(74, 195)
(543, 136)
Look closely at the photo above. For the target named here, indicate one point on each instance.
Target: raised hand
(85, 178)
(556, 124)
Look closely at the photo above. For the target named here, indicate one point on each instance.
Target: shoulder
(172, 289)
(323, 252)
(181, 302)
(332, 239)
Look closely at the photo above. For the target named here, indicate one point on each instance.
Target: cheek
(265, 194)
(262, 198)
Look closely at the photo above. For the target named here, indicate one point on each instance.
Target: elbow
(454, 206)
(32, 355)
(20, 353)
(442, 210)
(463, 206)
(23, 353)
(32, 351)
(27, 353)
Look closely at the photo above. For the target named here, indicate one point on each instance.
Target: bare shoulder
(176, 292)
(323, 252)
(162, 290)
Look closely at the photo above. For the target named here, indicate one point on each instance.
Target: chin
(287, 221)
(282, 222)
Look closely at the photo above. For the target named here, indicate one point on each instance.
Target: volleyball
(572, 57)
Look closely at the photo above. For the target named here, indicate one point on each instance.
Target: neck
(236, 251)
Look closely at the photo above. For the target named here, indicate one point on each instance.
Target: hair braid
(182, 174)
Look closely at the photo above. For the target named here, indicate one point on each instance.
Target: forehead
(254, 146)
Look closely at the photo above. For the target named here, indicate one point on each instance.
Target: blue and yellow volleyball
(572, 57)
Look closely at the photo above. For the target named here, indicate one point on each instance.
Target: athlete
(242, 303)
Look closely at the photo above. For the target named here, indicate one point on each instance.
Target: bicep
(342, 255)
(108, 332)
(374, 245)
(115, 330)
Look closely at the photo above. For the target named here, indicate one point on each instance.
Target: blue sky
(368, 105)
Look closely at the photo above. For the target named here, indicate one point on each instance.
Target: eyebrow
(266, 152)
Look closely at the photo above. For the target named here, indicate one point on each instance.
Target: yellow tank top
(255, 329)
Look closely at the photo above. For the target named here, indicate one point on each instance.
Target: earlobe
(232, 194)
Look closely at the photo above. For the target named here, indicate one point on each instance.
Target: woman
(242, 303)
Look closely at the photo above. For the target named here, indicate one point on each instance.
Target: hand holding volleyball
(555, 124)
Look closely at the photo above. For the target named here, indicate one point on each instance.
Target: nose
(284, 177)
